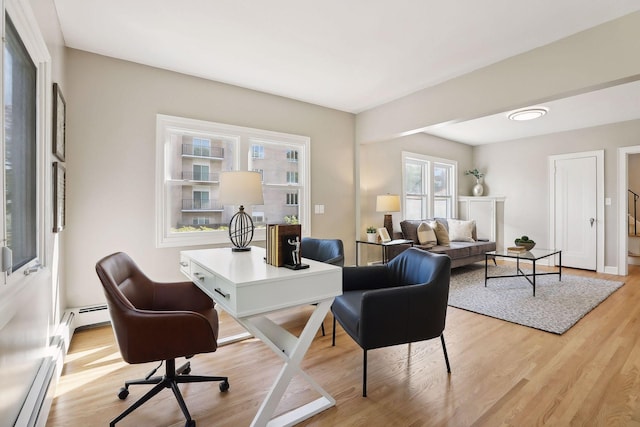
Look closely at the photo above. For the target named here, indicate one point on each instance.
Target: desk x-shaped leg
(292, 349)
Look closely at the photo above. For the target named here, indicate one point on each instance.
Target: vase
(478, 189)
(371, 237)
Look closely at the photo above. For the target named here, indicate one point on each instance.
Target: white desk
(243, 285)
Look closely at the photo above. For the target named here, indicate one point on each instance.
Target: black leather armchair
(330, 251)
(401, 302)
(155, 321)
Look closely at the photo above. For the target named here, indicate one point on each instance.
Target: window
(292, 199)
(257, 152)
(201, 147)
(201, 172)
(200, 220)
(429, 186)
(292, 177)
(292, 155)
(181, 201)
(20, 170)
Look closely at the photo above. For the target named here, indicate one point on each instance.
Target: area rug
(557, 306)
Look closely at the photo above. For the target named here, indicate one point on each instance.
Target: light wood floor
(502, 374)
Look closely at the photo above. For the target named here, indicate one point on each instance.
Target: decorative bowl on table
(525, 242)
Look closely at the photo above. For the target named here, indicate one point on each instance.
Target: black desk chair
(401, 302)
(330, 251)
(158, 322)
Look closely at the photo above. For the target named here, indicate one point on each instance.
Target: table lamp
(241, 188)
(388, 203)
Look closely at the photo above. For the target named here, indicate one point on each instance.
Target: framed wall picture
(59, 123)
(384, 235)
(59, 177)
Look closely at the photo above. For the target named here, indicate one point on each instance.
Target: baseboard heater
(35, 410)
(90, 315)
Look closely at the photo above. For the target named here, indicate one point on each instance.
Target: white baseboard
(609, 269)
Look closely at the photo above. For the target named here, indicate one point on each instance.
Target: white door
(576, 211)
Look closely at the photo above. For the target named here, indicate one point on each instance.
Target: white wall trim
(623, 185)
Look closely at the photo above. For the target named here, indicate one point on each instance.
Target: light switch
(607, 201)
(319, 209)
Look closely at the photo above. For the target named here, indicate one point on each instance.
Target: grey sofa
(461, 253)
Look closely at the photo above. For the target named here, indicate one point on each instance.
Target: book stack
(282, 241)
(517, 249)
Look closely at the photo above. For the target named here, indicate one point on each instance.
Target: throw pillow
(461, 231)
(441, 233)
(426, 235)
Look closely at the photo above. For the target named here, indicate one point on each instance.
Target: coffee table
(533, 255)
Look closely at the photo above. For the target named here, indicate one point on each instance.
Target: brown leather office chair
(155, 321)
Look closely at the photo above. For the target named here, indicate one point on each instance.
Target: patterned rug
(557, 306)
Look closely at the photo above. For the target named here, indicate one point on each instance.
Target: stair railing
(635, 211)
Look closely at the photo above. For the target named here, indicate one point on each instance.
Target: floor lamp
(388, 203)
(241, 188)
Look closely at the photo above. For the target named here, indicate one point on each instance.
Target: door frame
(623, 185)
(599, 155)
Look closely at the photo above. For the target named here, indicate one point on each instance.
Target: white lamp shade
(241, 188)
(388, 203)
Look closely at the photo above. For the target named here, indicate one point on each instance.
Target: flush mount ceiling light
(528, 113)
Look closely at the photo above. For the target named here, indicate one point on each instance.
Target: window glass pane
(196, 158)
(413, 208)
(441, 179)
(414, 184)
(281, 181)
(441, 208)
(20, 149)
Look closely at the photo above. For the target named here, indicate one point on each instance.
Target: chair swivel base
(171, 379)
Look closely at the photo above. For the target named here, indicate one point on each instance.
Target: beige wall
(381, 170)
(112, 107)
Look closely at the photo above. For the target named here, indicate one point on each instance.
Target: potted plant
(371, 234)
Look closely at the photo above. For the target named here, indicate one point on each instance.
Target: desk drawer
(222, 292)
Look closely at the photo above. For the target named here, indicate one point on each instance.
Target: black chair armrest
(338, 260)
(369, 277)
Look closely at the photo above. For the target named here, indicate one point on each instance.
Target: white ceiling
(611, 105)
(350, 55)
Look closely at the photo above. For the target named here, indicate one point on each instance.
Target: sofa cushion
(442, 234)
(461, 231)
(455, 250)
(426, 235)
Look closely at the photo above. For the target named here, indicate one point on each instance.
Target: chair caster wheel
(190, 423)
(123, 393)
(224, 386)
(186, 371)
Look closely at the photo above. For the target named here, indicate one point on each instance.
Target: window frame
(29, 34)
(243, 153)
(428, 181)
